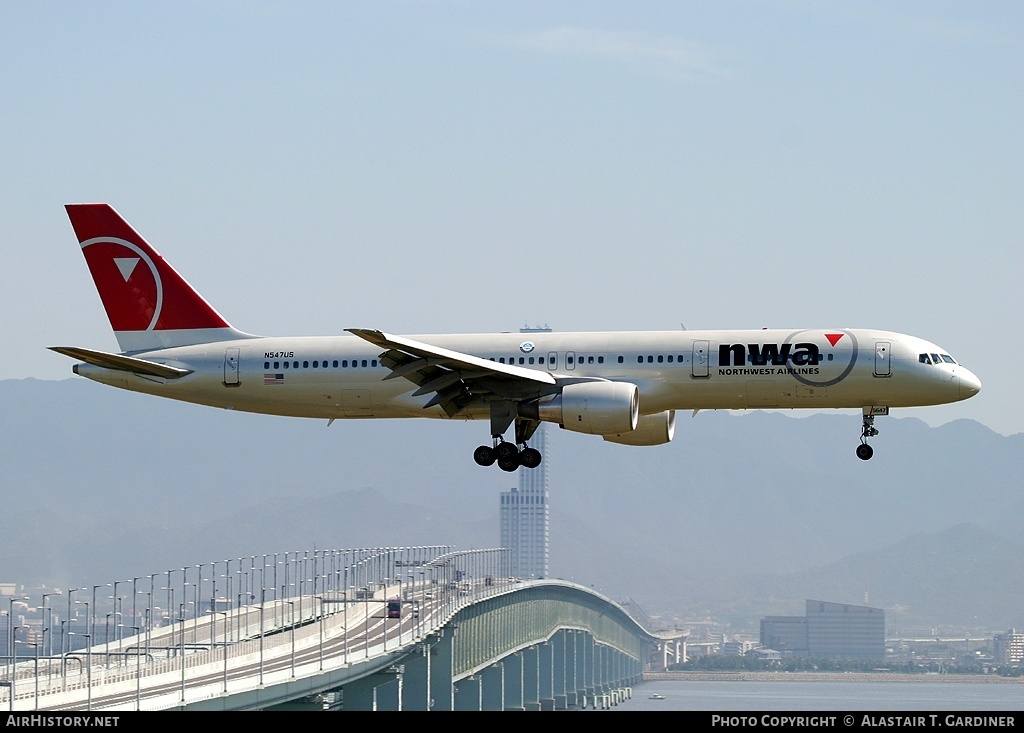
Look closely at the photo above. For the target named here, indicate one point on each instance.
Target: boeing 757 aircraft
(623, 386)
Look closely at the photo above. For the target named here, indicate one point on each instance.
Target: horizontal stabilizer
(121, 363)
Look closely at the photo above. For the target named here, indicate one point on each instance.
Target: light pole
(71, 592)
(36, 645)
(9, 643)
(181, 618)
(92, 619)
(48, 651)
(138, 666)
(224, 645)
(292, 616)
(106, 634)
(263, 599)
(88, 663)
(384, 621)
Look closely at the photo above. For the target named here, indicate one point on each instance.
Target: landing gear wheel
(507, 452)
(867, 430)
(508, 464)
(530, 457)
(484, 456)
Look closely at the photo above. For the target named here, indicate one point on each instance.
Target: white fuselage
(342, 377)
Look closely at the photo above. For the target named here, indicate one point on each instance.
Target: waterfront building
(837, 630)
(1008, 648)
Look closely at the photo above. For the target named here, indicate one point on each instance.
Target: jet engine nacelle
(596, 408)
(654, 429)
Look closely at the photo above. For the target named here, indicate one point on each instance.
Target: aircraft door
(699, 362)
(883, 361)
(552, 360)
(570, 359)
(231, 367)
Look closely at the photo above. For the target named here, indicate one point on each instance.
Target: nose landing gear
(868, 430)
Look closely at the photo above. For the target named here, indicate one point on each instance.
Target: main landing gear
(868, 430)
(509, 456)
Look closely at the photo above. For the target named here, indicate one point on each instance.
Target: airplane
(623, 386)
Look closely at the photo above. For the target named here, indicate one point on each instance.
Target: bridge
(423, 628)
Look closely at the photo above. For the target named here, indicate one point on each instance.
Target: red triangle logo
(833, 338)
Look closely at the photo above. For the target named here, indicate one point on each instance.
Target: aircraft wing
(456, 379)
(121, 362)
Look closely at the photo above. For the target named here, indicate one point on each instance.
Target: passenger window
(344, 363)
(540, 359)
(335, 363)
(266, 365)
(502, 359)
(670, 358)
(531, 360)
(364, 362)
(661, 359)
(600, 360)
(639, 360)
(569, 359)
(621, 359)
(373, 363)
(305, 365)
(650, 359)
(522, 359)
(286, 365)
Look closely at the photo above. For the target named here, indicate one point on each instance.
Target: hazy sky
(425, 167)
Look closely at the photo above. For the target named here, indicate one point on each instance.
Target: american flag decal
(273, 379)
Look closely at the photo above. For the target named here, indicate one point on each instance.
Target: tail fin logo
(126, 265)
(133, 296)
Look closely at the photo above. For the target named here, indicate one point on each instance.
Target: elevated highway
(434, 630)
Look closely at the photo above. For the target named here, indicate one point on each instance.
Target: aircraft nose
(970, 385)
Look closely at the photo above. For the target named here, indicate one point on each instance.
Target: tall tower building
(525, 516)
(525, 511)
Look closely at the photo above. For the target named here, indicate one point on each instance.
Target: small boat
(657, 696)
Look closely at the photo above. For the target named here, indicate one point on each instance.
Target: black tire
(484, 455)
(507, 452)
(530, 457)
(508, 464)
(864, 451)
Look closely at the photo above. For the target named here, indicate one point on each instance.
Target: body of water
(825, 696)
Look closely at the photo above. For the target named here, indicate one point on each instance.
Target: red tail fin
(149, 304)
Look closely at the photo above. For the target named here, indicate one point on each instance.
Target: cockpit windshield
(936, 359)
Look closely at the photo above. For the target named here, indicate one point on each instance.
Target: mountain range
(744, 514)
